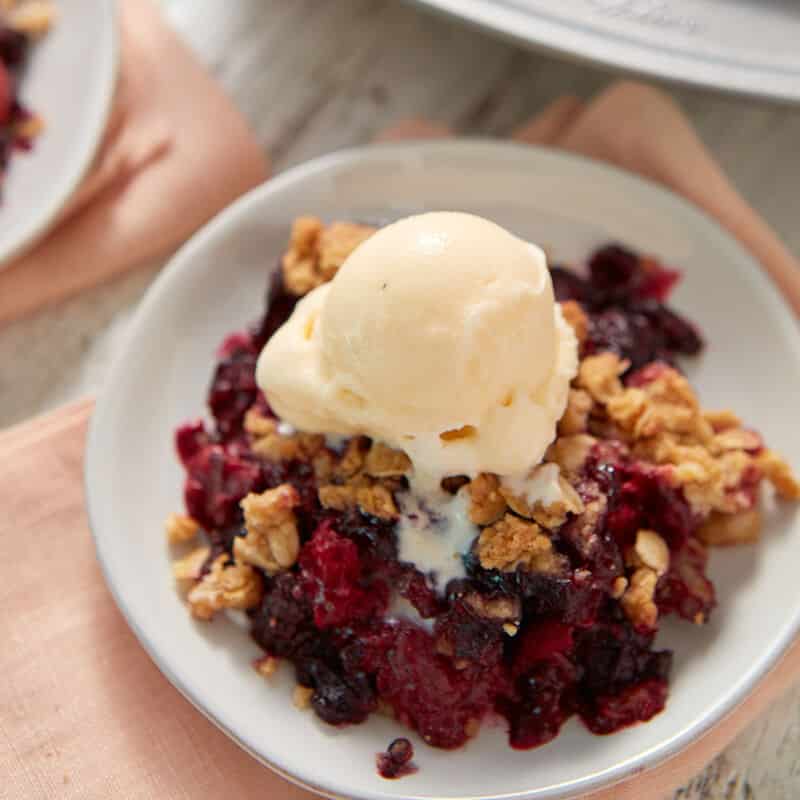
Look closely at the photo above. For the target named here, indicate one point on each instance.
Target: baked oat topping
(384, 462)
(266, 666)
(500, 609)
(271, 541)
(352, 461)
(576, 414)
(779, 474)
(31, 17)
(513, 542)
(571, 452)
(649, 550)
(190, 567)
(722, 530)
(181, 528)
(487, 504)
(638, 600)
(576, 318)
(316, 252)
(599, 376)
(376, 499)
(549, 516)
(225, 586)
(272, 445)
(301, 697)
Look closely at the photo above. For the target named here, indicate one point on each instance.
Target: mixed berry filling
(298, 535)
(18, 125)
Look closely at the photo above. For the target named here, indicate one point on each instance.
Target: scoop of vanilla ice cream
(440, 336)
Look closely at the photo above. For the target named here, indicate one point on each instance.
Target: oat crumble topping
(513, 542)
(271, 541)
(181, 528)
(487, 504)
(576, 318)
(637, 601)
(317, 251)
(225, 586)
(576, 414)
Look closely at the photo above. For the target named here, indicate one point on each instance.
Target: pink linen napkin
(176, 151)
(83, 711)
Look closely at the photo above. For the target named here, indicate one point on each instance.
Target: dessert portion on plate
(21, 23)
(448, 483)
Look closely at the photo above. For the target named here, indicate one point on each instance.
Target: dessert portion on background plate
(451, 484)
(21, 23)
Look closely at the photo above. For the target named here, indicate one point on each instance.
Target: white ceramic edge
(41, 223)
(341, 159)
(533, 30)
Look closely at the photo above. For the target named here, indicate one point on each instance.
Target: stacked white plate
(747, 46)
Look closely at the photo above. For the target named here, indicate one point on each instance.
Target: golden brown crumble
(649, 550)
(512, 542)
(266, 666)
(550, 516)
(708, 454)
(576, 415)
(268, 443)
(376, 500)
(734, 439)
(336, 242)
(487, 505)
(256, 424)
(571, 452)
(637, 602)
(721, 530)
(316, 252)
(224, 586)
(722, 420)
(181, 528)
(501, 609)
(599, 375)
(779, 474)
(271, 541)
(29, 127)
(353, 458)
(576, 318)
(384, 462)
(665, 404)
(31, 17)
(301, 697)
(190, 567)
(618, 587)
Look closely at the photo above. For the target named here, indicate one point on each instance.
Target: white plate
(70, 82)
(747, 46)
(215, 284)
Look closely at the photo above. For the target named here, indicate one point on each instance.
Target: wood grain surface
(316, 75)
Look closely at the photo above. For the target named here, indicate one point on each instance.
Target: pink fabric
(176, 152)
(83, 711)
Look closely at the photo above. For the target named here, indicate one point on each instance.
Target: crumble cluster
(32, 17)
(316, 251)
(716, 462)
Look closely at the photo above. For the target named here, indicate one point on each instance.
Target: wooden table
(317, 75)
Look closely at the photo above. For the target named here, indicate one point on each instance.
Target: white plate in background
(69, 82)
(747, 46)
(216, 283)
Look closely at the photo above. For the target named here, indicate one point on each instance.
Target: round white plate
(70, 82)
(216, 284)
(747, 46)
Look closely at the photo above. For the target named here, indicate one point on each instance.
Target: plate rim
(40, 224)
(319, 167)
(681, 68)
